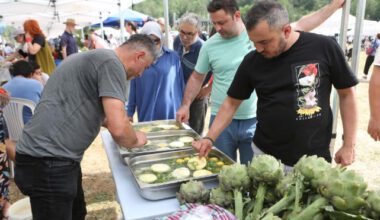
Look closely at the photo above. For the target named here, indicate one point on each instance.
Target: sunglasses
(189, 34)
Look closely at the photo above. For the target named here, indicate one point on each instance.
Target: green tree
(372, 9)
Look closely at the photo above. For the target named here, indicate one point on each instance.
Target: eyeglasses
(156, 41)
(189, 34)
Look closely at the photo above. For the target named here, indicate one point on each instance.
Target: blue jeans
(238, 135)
(54, 186)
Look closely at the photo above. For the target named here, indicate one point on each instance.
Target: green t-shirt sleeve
(203, 61)
(111, 80)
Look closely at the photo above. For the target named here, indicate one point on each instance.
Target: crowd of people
(269, 82)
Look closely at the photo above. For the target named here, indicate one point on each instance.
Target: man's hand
(374, 128)
(141, 139)
(345, 156)
(338, 3)
(203, 146)
(183, 114)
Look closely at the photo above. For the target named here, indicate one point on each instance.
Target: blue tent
(128, 15)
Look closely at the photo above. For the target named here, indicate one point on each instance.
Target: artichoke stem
(238, 204)
(312, 210)
(259, 201)
(281, 205)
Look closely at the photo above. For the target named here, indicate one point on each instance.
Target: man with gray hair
(86, 91)
(222, 54)
(188, 44)
(292, 73)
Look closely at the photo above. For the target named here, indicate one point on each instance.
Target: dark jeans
(54, 186)
(368, 63)
(237, 136)
(198, 110)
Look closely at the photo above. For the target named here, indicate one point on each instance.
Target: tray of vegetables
(153, 128)
(176, 140)
(159, 176)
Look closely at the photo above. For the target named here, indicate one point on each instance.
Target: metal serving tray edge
(169, 189)
(190, 132)
(182, 126)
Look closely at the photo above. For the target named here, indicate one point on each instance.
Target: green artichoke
(235, 178)
(312, 168)
(221, 198)
(267, 171)
(345, 189)
(265, 168)
(193, 192)
(373, 201)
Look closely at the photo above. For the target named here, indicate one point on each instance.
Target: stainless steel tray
(154, 128)
(168, 189)
(161, 143)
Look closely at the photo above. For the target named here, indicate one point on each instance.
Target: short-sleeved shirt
(38, 39)
(70, 112)
(293, 109)
(222, 57)
(68, 41)
(24, 88)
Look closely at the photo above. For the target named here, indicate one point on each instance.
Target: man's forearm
(349, 112)
(224, 117)
(374, 93)
(313, 20)
(193, 86)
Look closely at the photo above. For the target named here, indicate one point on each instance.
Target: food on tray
(200, 173)
(176, 144)
(197, 163)
(168, 127)
(181, 173)
(160, 168)
(158, 126)
(186, 139)
(147, 178)
(162, 144)
(180, 168)
(145, 129)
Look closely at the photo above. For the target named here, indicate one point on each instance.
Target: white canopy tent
(52, 13)
(333, 24)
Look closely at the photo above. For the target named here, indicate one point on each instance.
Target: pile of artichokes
(313, 190)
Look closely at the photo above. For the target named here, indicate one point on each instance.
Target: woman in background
(38, 49)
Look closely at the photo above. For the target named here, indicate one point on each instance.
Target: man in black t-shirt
(292, 74)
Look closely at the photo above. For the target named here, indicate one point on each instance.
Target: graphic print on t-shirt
(307, 77)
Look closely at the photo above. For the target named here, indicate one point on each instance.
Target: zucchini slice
(176, 144)
(181, 173)
(200, 173)
(147, 178)
(160, 167)
(186, 139)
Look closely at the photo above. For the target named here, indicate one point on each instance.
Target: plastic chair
(12, 113)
